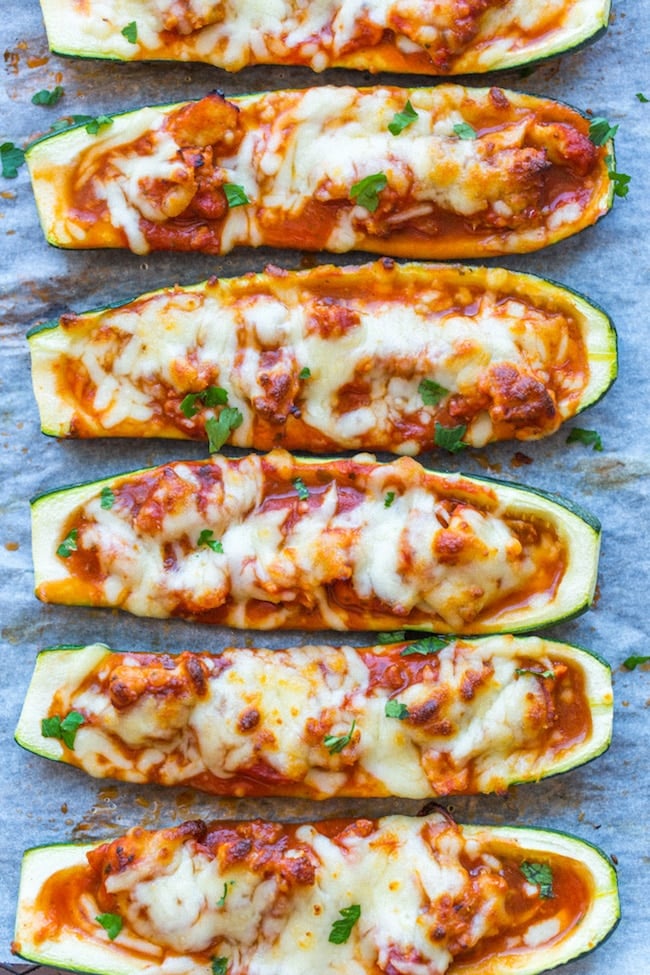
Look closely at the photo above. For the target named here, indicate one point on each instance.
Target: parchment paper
(605, 802)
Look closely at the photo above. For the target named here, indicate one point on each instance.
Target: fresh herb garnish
(389, 497)
(450, 438)
(464, 130)
(621, 181)
(336, 743)
(106, 499)
(539, 874)
(397, 636)
(12, 158)
(342, 928)
(301, 488)
(635, 660)
(68, 545)
(226, 887)
(395, 709)
(600, 131)
(431, 392)
(402, 120)
(212, 396)
(97, 123)
(130, 32)
(235, 195)
(111, 923)
(219, 966)
(65, 729)
(305, 373)
(535, 673)
(426, 646)
(366, 192)
(207, 538)
(590, 438)
(45, 97)
(218, 427)
(642, 98)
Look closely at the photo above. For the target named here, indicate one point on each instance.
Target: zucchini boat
(272, 541)
(478, 172)
(430, 718)
(372, 357)
(452, 37)
(364, 896)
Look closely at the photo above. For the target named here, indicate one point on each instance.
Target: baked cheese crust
(272, 541)
(362, 896)
(448, 37)
(317, 721)
(371, 357)
(478, 172)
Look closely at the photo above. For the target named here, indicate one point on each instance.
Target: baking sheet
(605, 802)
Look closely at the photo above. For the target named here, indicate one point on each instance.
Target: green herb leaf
(642, 98)
(130, 32)
(97, 123)
(621, 182)
(395, 709)
(535, 673)
(68, 120)
(600, 131)
(68, 545)
(219, 966)
(305, 373)
(431, 392)
(107, 499)
(12, 158)
(464, 130)
(426, 646)
(111, 923)
(235, 195)
(218, 427)
(342, 928)
(366, 192)
(303, 491)
(397, 636)
(590, 438)
(207, 538)
(226, 887)
(634, 661)
(336, 743)
(389, 498)
(188, 405)
(45, 97)
(450, 438)
(214, 396)
(64, 729)
(402, 120)
(539, 874)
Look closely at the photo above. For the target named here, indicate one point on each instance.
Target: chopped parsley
(450, 438)
(395, 709)
(45, 97)
(426, 646)
(464, 130)
(207, 538)
(226, 887)
(301, 488)
(520, 671)
(600, 131)
(634, 661)
(539, 874)
(336, 743)
(218, 427)
(366, 192)
(642, 98)
(219, 966)
(396, 637)
(590, 438)
(111, 923)
(212, 396)
(235, 195)
(107, 499)
(130, 32)
(97, 123)
(68, 545)
(342, 929)
(402, 120)
(431, 392)
(65, 729)
(621, 181)
(305, 373)
(389, 497)
(12, 158)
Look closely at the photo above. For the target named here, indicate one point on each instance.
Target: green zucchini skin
(578, 534)
(103, 957)
(70, 33)
(60, 672)
(58, 345)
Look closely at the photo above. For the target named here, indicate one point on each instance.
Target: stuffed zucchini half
(476, 172)
(379, 357)
(420, 719)
(452, 37)
(364, 896)
(273, 541)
